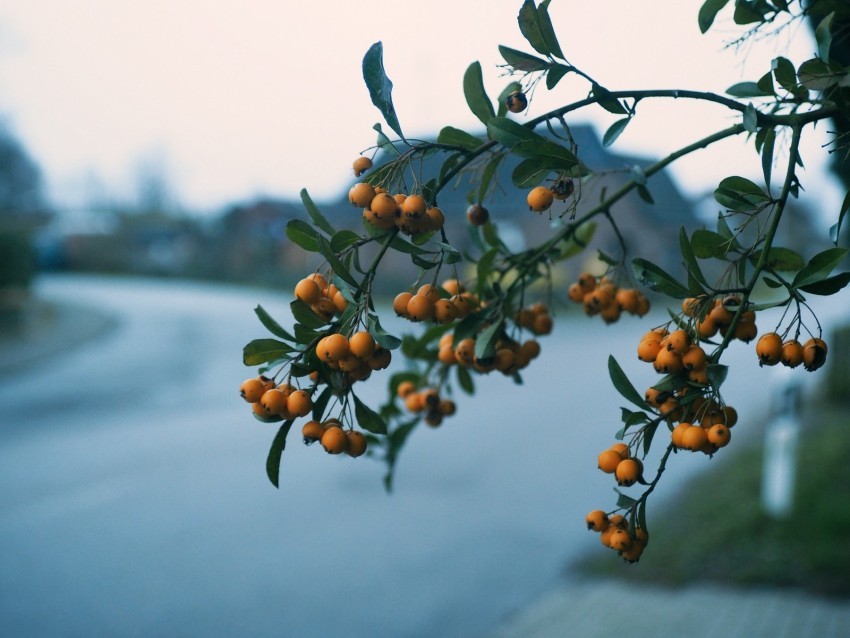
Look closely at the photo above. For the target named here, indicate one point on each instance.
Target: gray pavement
(605, 608)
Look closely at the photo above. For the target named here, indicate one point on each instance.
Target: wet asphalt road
(134, 501)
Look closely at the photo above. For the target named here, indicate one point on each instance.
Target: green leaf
(747, 89)
(367, 418)
(381, 336)
(716, 374)
(465, 381)
(828, 286)
(780, 259)
(485, 344)
(607, 101)
(740, 194)
(305, 316)
(624, 501)
(315, 214)
(343, 239)
(523, 61)
(275, 453)
(457, 137)
(509, 133)
(555, 73)
(817, 75)
(385, 144)
(657, 279)
(529, 26)
(261, 350)
(487, 176)
(765, 84)
(271, 325)
(691, 261)
(379, 85)
(578, 241)
(336, 265)
(551, 153)
(750, 119)
(303, 234)
(707, 13)
(622, 384)
(823, 36)
(644, 194)
(707, 244)
(529, 172)
(614, 131)
(783, 71)
(747, 12)
(835, 231)
(547, 30)
(819, 267)
(476, 97)
(767, 155)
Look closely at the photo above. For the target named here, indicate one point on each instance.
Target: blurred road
(134, 499)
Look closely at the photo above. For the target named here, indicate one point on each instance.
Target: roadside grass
(715, 530)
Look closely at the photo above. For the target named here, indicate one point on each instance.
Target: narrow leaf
(819, 266)
(656, 278)
(485, 344)
(379, 85)
(823, 36)
(522, 61)
(690, 258)
(555, 73)
(607, 101)
(302, 234)
(767, 155)
(336, 265)
(547, 30)
(275, 453)
(614, 131)
(261, 350)
(530, 27)
(305, 316)
(746, 89)
(828, 286)
(476, 97)
(707, 13)
(367, 418)
(457, 137)
(315, 214)
(271, 325)
(622, 384)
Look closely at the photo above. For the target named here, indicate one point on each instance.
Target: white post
(780, 455)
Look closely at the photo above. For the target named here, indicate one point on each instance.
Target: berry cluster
(771, 349)
(618, 534)
(601, 296)
(443, 305)
(426, 401)
(409, 213)
(334, 438)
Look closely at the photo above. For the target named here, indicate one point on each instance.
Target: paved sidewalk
(46, 329)
(607, 608)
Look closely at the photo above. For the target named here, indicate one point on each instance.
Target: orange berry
(413, 207)
(465, 352)
(648, 350)
(334, 440)
(769, 349)
(299, 403)
(814, 354)
(668, 362)
(434, 218)
(252, 390)
(274, 402)
(420, 307)
(678, 341)
(628, 472)
(694, 358)
(694, 438)
(312, 432)
(446, 407)
(361, 194)
(718, 435)
(444, 311)
(792, 353)
(597, 520)
(405, 389)
(308, 291)
(608, 460)
(356, 443)
(540, 199)
(361, 165)
(622, 449)
(400, 303)
(678, 431)
(332, 348)
(380, 359)
(362, 344)
(477, 215)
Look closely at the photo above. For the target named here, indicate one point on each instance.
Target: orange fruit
(608, 460)
(361, 165)
(299, 403)
(792, 353)
(400, 303)
(334, 440)
(814, 354)
(769, 349)
(252, 390)
(628, 472)
(477, 215)
(356, 444)
(362, 344)
(361, 195)
(332, 348)
(312, 431)
(540, 199)
(597, 520)
(516, 102)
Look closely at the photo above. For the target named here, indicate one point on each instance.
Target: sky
(236, 99)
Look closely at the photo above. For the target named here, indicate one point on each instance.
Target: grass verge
(716, 531)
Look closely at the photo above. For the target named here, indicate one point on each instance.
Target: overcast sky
(236, 98)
